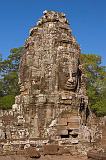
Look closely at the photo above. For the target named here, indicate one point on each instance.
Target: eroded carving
(52, 104)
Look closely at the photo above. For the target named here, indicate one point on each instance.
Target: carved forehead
(68, 64)
(66, 60)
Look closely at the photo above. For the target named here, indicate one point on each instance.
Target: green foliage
(100, 107)
(7, 101)
(96, 82)
(10, 83)
(9, 78)
(12, 62)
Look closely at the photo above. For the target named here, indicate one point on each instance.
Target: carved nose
(70, 80)
(69, 83)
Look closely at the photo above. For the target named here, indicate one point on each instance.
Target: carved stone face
(68, 77)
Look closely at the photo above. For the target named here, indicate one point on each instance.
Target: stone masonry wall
(53, 105)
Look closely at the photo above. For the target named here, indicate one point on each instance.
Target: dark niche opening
(82, 105)
(87, 112)
(75, 135)
(70, 131)
(64, 136)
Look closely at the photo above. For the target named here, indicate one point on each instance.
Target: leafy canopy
(96, 82)
(9, 78)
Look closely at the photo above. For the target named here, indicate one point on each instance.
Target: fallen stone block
(50, 149)
(32, 152)
(96, 155)
(64, 150)
(21, 152)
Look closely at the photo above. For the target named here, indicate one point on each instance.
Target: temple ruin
(53, 105)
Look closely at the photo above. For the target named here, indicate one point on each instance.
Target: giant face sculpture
(68, 74)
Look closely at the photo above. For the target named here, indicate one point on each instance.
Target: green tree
(7, 101)
(96, 82)
(9, 87)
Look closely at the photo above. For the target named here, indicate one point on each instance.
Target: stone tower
(52, 103)
(50, 78)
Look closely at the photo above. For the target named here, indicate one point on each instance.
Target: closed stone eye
(67, 75)
(74, 74)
